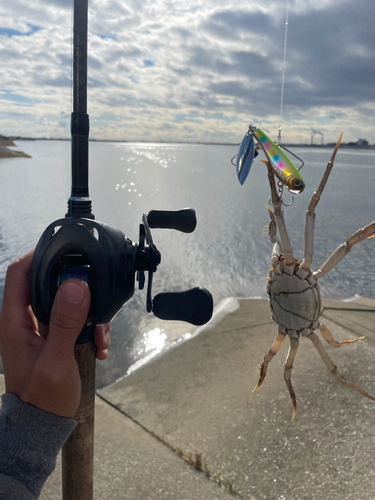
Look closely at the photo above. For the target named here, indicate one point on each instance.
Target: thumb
(68, 316)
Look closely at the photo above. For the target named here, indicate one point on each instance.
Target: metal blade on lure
(245, 157)
(281, 165)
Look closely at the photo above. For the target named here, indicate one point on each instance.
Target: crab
(293, 288)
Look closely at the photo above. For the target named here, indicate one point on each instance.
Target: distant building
(361, 143)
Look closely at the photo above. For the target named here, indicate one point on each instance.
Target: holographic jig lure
(281, 165)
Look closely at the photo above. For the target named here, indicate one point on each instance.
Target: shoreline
(200, 143)
(224, 308)
(9, 153)
(5, 152)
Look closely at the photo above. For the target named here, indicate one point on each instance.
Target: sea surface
(229, 253)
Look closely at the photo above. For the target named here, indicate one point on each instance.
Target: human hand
(39, 363)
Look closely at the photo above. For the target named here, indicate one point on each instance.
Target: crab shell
(294, 299)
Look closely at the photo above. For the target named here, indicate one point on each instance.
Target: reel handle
(194, 306)
(182, 220)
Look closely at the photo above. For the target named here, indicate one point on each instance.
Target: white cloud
(192, 69)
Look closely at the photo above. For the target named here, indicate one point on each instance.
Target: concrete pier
(187, 426)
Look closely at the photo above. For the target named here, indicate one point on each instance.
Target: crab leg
(332, 368)
(268, 357)
(287, 248)
(308, 239)
(342, 250)
(277, 250)
(328, 337)
(288, 369)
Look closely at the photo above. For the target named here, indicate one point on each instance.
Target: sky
(192, 70)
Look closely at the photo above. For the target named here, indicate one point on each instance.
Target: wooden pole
(78, 451)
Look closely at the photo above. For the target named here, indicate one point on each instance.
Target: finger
(16, 292)
(101, 355)
(102, 336)
(68, 316)
(102, 339)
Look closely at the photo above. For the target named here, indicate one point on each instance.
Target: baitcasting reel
(102, 256)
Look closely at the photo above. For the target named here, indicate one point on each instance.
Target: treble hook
(287, 204)
(280, 194)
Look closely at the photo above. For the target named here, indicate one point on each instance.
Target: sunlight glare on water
(151, 344)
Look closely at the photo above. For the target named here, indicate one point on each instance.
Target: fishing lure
(281, 165)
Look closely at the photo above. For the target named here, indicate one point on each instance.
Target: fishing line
(71, 54)
(280, 185)
(284, 63)
(70, 209)
(282, 87)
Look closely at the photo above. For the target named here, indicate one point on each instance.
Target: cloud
(193, 69)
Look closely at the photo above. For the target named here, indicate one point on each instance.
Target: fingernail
(72, 293)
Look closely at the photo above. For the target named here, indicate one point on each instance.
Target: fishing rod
(78, 246)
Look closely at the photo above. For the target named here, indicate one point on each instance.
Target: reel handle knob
(193, 306)
(183, 220)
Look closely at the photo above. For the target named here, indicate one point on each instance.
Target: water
(228, 253)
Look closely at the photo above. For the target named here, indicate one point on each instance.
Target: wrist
(30, 441)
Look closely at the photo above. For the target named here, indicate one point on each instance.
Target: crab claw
(316, 196)
(336, 148)
(268, 357)
(270, 212)
(272, 226)
(292, 395)
(262, 374)
(369, 231)
(347, 342)
(328, 337)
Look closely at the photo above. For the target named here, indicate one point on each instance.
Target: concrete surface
(197, 400)
(130, 464)
(356, 317)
